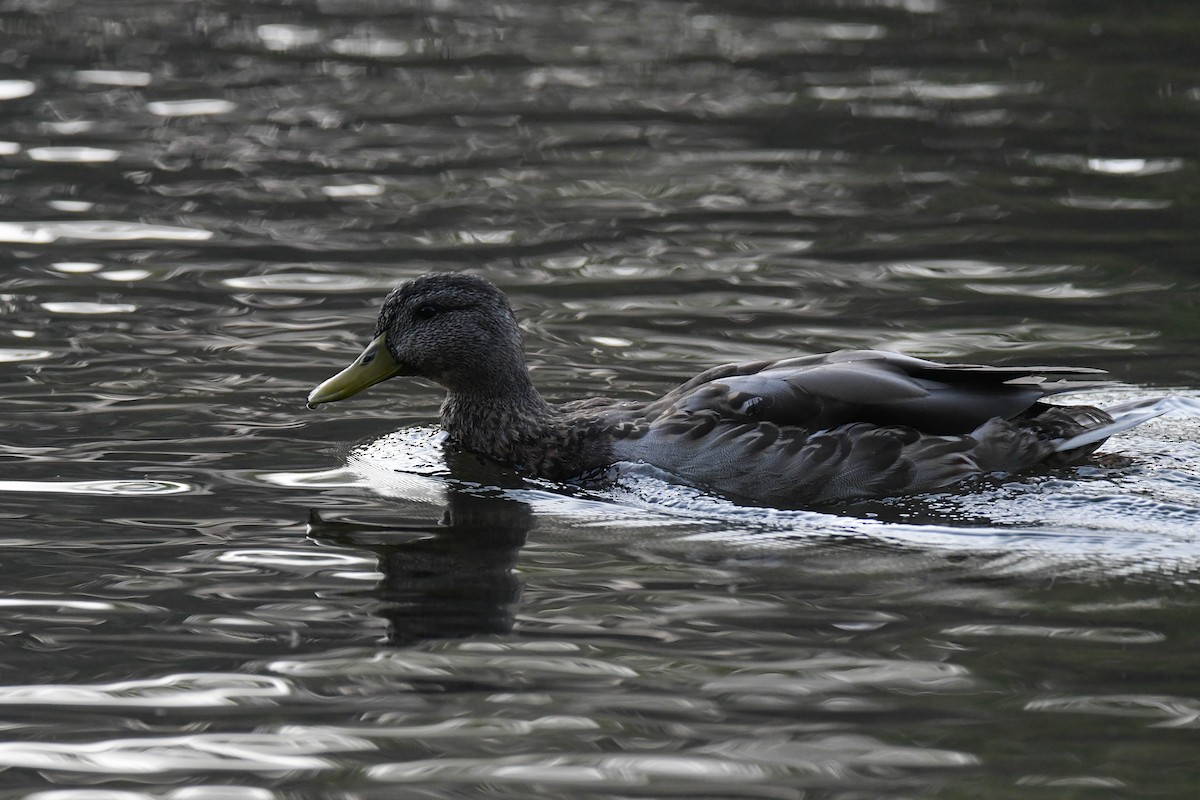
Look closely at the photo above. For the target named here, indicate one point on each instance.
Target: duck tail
(1125, 416)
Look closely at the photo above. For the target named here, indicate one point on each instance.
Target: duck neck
(508, 421)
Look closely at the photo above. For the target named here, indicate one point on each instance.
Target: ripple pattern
(209, 592)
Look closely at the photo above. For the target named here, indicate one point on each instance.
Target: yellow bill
(373, 366)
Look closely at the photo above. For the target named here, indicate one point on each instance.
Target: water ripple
(125, 275)
(310, 282)
(746, 762)
(112, 77)
(826, 674)
(182, 690)
(96, 231)
(191, 108)
(1103, 203)
(1173, 712)
(924, 90)
(222, 792)
(1062, 291)
(59, 606)
(14, 89)
(208, 752)
(1112, 635)
(81, 307)
(1134, 167)
(393, 725)
(12, 354)
(74, 155)
(506, 666)
(76, 267)
(126, 488)
(277, 36)
(1072, 781)
(578, 770)
(303, 559)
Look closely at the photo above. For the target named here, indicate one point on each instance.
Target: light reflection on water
(211, 592)
(117, 488)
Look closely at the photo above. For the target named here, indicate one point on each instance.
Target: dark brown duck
(811, 429)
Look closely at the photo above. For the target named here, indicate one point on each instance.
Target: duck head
(455, 329)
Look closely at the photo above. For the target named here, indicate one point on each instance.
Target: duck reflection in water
(443, 580)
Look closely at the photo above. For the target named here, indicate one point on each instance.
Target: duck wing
(822, 392)
(848, 424)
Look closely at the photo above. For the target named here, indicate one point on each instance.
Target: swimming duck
(797, 431)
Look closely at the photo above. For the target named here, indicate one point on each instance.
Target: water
(210, 591)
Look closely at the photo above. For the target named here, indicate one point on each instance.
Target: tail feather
(1126, 416)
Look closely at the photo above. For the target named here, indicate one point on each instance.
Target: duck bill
(373, 366)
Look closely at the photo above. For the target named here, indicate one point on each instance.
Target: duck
(793, 432)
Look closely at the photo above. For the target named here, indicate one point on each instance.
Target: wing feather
(820, 392)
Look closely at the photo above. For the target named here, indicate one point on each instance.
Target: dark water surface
(208, 592)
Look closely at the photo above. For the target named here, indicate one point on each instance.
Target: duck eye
(426, 311)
